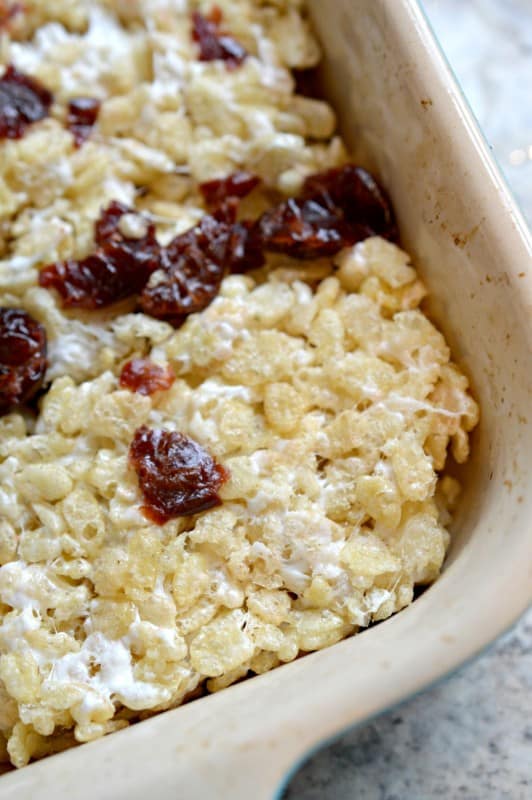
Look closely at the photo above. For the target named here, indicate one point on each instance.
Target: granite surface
(470, 737)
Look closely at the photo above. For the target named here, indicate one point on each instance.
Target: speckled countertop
(471, 737)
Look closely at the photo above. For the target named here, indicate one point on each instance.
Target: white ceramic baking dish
(402, 111)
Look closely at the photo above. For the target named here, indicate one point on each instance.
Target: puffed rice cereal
(320, 386)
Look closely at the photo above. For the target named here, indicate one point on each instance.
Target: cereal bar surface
(320, 386)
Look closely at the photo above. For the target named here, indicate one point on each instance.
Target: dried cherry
(145, 377)
(238, 184)
(244, 249)
(8, 11)
(214, 44)
(194, 265)
(23, 100)
(303, 229)
(177, 476)
(22, 357)
(119, 268)
(357, 194)
(81, 116)
(140, 251)
(92, 282)
(337, 208)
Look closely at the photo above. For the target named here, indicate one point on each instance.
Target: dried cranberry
(176, 475)
(81, 116)
(238, 184)
(145, 377)
(119, 268)
(213, 43)
(22, 357)
(337, 208)
(23, 100)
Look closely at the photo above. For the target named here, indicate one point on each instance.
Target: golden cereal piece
(221, 645)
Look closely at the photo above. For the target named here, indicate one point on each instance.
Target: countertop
(470, 737)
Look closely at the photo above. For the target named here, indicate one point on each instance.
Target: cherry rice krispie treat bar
(225, 420)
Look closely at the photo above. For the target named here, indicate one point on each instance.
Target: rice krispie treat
(224, 420)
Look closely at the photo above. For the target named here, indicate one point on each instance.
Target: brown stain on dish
(446, 638)
(426, 103)
(461, 240)
(504, 278)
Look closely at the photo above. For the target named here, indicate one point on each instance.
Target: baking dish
(403, 116)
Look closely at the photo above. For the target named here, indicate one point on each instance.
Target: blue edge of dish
(431, 685)
(486, 648)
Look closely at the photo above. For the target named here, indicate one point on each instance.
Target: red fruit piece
(8, 11)
(142, 250)
(240, 245)
(119, 268)
(238, 184)
(22, 357)
(81, 116)
(23, 100)
(357, 194)
(304, 229)
(337, 208)
(244, 248)
(145, 377)
(194, 265)
(176, 475)
(92, 282)
(213, 44)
